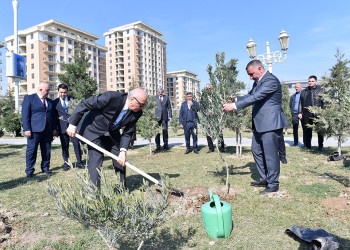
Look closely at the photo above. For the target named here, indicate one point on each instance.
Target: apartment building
(48, 43)
(178, 84)
(136, 57)
(1, 46)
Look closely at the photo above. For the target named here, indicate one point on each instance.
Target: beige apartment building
(136, 57)
(46, 45)
(178, 84)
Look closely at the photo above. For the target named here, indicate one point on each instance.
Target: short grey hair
(255, 63)
(160, 88)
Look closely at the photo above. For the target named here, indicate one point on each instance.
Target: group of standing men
(101, 119)
(299, 106)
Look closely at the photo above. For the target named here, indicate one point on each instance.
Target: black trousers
(211, 145)
(295, 122)
(96, 160)
(65, 148)
(307, 131)
(164, 125)
(190, 129)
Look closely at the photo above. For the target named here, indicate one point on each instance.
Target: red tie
(47, 118)
(161, 101)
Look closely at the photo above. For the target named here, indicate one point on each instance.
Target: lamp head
(251, 48)
(284, 40)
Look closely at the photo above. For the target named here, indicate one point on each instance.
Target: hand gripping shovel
(102, 150)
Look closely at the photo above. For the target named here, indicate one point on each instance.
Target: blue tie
(119, 118)
(65, 106)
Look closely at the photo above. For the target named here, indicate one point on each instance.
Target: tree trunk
(237, 142)
(240, 144)
(226, 165)
(339, 146)
(150, 147)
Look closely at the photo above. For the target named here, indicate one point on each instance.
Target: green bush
(12, 122)
(121, 218)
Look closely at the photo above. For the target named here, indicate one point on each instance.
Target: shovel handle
(102, 150)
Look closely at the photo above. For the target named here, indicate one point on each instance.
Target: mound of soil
(5, 226)
(194, 197)
(341, 203)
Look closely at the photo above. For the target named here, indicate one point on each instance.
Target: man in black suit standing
(39, 126)
(109, 113)
(61, 105)
(268, 123)
(163, 113)
(294, 109)
(188, 120)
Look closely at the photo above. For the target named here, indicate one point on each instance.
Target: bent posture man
(109, 112)
(268, 123)
(61, 106)
(39, 125)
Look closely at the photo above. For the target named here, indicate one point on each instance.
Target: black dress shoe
(166, 148)
(81, 166)
(47, 172)
(196, 151)
(259, 183)
(295, 144)
(284, 160)
(320, 148)
(210, 151)
(30, 175)
(157, 149)
(65, 167)
(222, 150)
(188, 151)
(269, 190)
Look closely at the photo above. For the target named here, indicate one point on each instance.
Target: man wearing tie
(61, 108)
(163, 113)
(268, 123)
(188, 120)
(39, 126)
(294, 109)
(109, 113)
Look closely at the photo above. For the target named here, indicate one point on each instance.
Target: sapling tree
(123, 219)
(212, 116)
(334, 120)
(175, 122)
(285, 105)
(147, 125)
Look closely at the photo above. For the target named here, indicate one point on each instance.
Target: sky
(197, 30)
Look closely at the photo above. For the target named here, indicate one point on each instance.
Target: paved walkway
(201, 141)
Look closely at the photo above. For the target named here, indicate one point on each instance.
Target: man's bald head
(44, 90)
(137, 99)
(298, 87)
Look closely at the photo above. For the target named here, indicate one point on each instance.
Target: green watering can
(217, 217)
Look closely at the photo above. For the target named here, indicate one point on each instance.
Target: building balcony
(22, 44)
(48, 60)
(102, 54)
(49, 41)
(49, 79)
(48, 51)
(48, 70)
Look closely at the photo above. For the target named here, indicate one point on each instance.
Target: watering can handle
(211, 195)
(221, 231)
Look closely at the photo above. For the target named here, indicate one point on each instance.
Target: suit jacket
(163, 111)
(62, 124)
(104, 110)
(292, 102)
(305, 99)
(34, 114)
(184, 111)
(266, 98)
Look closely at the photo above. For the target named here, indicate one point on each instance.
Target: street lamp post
(270, 57)
(15, 44)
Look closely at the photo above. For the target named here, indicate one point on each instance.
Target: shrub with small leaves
(122, 218)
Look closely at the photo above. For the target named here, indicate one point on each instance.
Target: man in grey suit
(163, 113)
(109, 113)
(294, 105)
(268, 123)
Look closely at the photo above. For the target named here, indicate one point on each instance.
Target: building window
(95, 66)
(70, 60)
(128, 51)
(61, 58)
(69, 41)
(128, 45)
(128, 57)
(110, 61)
(110, 48)
(69, 51)
(73, 34)
(61, 39)
(129, 70)
(33, 85)
(110, 67)
(89, 47)
(58, 29)
(31, 36)
(111, 80)
(94, 49)
(50, 38)
(110, 42)
(89, 56)
(129, 77)
(111, 73)
(32, 75)
(50, 48)
(61, 49)
(32, 56)
(128, 64)
(128, 38)
(95, 74)
(32, 46)
(32, 65)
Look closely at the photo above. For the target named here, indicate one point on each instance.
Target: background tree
(147, 125)
(285, 104)
(224, 84)
(9, 119)
(175, 122)
(80, 84)
(334, 120)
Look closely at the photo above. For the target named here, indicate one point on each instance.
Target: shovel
(102, 150)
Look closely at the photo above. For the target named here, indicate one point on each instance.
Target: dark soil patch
(341, 203)
(194, 197)
(5, 226)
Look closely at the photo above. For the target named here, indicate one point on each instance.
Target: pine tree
(334, 120)
(175, 122)
(80, 84)
(147, 125)
(224, 84)
(285, 104)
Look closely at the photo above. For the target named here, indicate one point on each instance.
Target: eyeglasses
(141, 104)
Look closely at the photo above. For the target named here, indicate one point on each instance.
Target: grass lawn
(313, 193)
